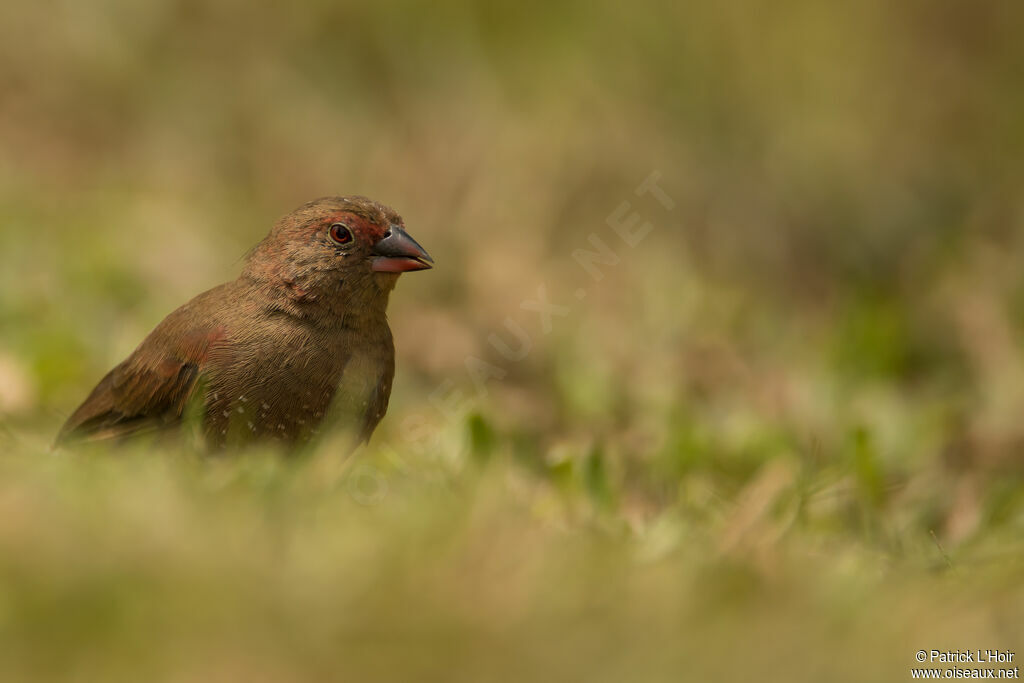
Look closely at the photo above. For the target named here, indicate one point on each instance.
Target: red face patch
(361, 227)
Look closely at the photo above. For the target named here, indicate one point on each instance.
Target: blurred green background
(780, 439)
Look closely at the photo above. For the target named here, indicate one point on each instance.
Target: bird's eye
(340, 234)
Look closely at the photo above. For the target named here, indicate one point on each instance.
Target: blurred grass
(782, 438)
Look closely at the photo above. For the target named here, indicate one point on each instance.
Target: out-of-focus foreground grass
(780, 438)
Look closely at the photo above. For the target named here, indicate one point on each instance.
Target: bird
(299, 338)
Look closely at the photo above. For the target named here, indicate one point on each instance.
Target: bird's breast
(289, 387)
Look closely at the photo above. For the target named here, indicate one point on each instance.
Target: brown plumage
(299, 336)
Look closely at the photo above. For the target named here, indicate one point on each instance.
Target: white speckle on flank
(243, 399)
(266, 406)
(241, 409)
(227, 413)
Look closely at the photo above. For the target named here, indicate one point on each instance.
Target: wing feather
(151, 388)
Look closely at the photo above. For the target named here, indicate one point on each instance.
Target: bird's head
(338, 245)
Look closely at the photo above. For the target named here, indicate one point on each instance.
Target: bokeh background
(781, 438)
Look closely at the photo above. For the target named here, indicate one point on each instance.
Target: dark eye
(340, 233)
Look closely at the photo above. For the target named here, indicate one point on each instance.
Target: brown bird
(302, 334)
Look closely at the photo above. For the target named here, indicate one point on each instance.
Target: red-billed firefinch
(300, 335)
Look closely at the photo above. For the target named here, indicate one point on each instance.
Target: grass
(253, 567)
(778, 438)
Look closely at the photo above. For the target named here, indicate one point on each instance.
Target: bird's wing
(149, 390)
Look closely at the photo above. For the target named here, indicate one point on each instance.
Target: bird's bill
(397, 252)
(398, 265)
